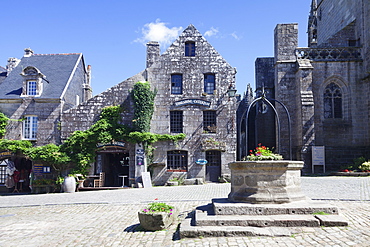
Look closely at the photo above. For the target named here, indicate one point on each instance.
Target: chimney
(12, 63)
(28, 52)
(87, 86)
(152, 53)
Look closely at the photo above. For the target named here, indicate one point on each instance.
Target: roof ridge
(56, 54)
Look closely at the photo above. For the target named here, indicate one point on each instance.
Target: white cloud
(235, 36)
(213, 31)
(158, 31)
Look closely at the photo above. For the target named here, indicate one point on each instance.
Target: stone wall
(207, 60)
(48, 113)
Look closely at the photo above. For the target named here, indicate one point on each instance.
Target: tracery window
(333, 101)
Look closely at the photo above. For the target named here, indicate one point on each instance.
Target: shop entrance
(115, 166)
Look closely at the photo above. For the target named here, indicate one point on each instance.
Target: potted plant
(157, 216)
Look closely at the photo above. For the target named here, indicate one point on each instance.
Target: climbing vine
(143, 99)
(80, 148)
(3, 123)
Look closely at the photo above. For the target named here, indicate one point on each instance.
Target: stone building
(194, 87)
(34, 92)
(324, 85)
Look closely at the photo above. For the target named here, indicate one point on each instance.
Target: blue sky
(112, 34)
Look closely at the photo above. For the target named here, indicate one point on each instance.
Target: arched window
(333, 101)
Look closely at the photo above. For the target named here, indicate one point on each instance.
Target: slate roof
(57, 69)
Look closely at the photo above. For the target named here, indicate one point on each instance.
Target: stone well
(266, 182)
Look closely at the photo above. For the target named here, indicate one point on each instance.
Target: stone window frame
(30, 127)
(209, 86)
(177, 161)
(210, 121)
(32, 74)
(343, 86)
(176, 121)
(176, 85)
(190, 48)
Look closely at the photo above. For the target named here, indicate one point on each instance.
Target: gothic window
(177, 161)
(332, 101)
(176, 84)
(209, 83)
(30, 128)
(190, 49)
(209, 121)
(176, 121)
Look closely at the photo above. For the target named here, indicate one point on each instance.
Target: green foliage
(15, 146)
(81, 145)
(365, 166)
(157, 207)
(43, 181)
(49, 154)
(143, 99)
(3, 123)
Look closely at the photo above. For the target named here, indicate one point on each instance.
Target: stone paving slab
(109, 218)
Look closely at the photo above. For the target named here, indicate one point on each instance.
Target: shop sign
(114, 143)
(5, 154)
(38, 169)
(139, 160)
(192, 102)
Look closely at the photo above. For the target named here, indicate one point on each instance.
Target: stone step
(202, 219)
(222, 206)
(188, 231)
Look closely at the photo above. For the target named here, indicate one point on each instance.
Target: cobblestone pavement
(109, 218)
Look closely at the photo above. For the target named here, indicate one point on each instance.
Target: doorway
(115, 165)
(213, 166)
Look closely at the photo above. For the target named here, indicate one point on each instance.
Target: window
(177, 161)
(30, 128)
(213, 157)
(176, 121)
(3, 174)
(176, 84)
(31, 88)
(209, 121)
(190, 49)
(209, 83)
(332, 101)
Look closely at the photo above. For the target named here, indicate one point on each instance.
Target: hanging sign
(193, 102)
(201, 162)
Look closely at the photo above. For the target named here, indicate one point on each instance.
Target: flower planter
(42, 189)
(156, 221)
(266, 182)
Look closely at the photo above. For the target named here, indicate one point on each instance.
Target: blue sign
(201, 162)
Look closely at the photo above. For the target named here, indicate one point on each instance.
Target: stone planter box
(156, 221)
(42, 189)
(266, 182)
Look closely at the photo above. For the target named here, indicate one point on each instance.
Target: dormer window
(190, 49)
(32, 82)
(31, 88)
